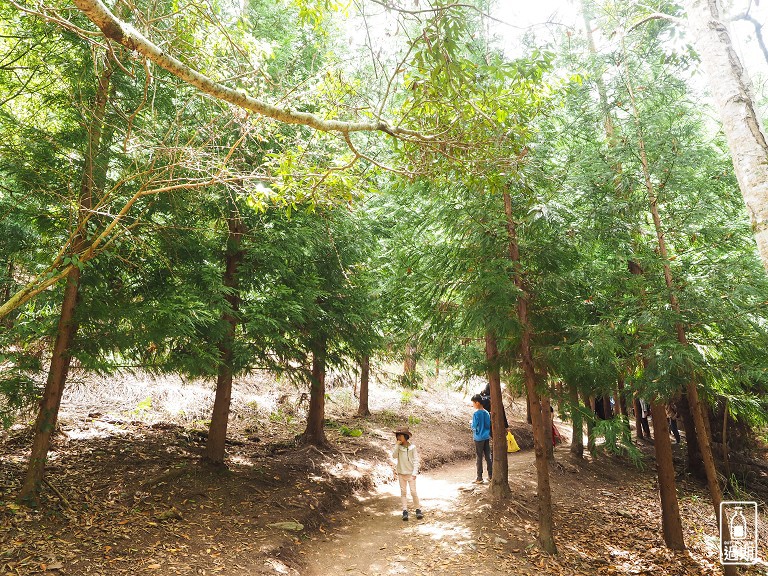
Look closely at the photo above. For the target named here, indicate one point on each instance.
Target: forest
(409, 199)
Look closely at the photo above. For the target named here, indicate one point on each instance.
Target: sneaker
(405, 515)
(419, 515)
(478, 481)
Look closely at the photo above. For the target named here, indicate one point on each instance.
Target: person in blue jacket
(481, 434)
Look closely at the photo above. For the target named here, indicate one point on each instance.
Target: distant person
(645, 412)
(407, 458)
(481, 434)
(672, 419)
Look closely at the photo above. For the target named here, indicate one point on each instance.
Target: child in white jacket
(407, 458)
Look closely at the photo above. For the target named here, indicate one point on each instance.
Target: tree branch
(655, 16)
(126, 35)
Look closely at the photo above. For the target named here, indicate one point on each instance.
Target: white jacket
(407, 458)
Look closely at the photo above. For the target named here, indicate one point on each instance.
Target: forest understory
(125, 491)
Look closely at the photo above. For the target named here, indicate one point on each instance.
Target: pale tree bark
(732, 92)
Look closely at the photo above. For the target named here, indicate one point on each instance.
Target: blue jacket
(481, 425)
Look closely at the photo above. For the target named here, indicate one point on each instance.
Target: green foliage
(142, 407)
(618, 439)
(351, 432)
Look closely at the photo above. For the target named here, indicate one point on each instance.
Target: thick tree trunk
(500, 480)
(732, 91)
(365, 374)
(671, 524)
(94, 170)
(315, 431)
(544, 491)
(577, 440)
(217, 432)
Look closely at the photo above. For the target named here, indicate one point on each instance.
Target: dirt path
(369, 537)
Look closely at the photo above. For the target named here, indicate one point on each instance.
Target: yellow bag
(511, 443)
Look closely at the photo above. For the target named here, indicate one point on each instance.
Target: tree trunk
(7, 321)
(499, 487)
(671, 525)
(528, 410)
(365, 373)
(607, 409)
(589, 403)
(48, 414)
(691, 388)
(726, 460)
(577, 439)
(94, 169)
(409, 364)
(544, 491)
(315, 431)
(217, 432)
(693, 454)
(546, 422)
(732, 92)
(638, 419)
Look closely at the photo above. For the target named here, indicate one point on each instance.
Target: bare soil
(126, 492)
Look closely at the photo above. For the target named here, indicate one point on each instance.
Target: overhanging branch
(126, 35)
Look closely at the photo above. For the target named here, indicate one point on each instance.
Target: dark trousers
(483, 450)
(646, 427)
(674, 430)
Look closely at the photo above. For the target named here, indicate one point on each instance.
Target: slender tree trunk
(577, 440)
(365, 373)
(691, 388)
(639, 419)
(693, 453)
(93, 170)
(315, 431)
(54, 389)
(500, 480)
(7, 321)
(544, 491)
(732, 91)
(671, 524)
(217, 432)
(726, 460)
(528, 410)
(617, 403)
(607, 410)
(589, 402)
(409, 364)
(546, 422)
